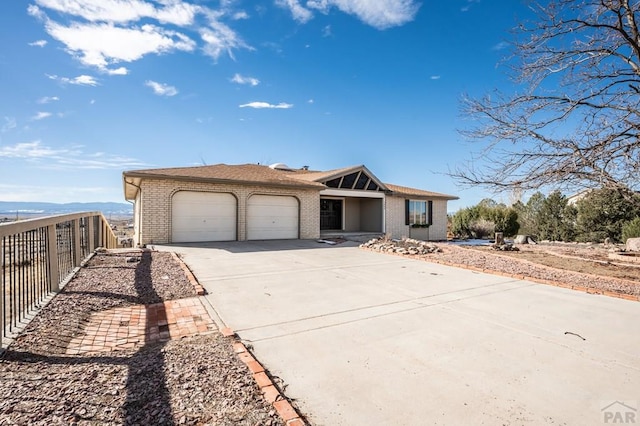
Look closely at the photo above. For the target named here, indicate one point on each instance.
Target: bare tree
(575, 123)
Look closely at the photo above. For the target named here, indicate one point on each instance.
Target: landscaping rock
(505, 247)
(405, 246)
(524, 239)
(633, 244)
(196, 380)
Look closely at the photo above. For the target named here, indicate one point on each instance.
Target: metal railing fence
(38, 255)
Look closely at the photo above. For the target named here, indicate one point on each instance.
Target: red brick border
(270, 392)
(519, 277)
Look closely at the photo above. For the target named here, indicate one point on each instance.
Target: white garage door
(203, 216)
(272, 217)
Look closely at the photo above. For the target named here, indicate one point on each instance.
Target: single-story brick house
(255, 202)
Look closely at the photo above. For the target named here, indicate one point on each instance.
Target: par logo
(620, 413)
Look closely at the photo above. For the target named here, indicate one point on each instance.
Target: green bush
(505, 220)
(482, 228)
(602, 213)
(555, 218)
(631, 229)
(461, 222)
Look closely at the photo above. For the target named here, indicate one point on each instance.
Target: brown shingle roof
(244, 173)
(264, 175)
(405, 190)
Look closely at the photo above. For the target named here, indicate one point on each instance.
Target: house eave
(271, 184)
(423, 196)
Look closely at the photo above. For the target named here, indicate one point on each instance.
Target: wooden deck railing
(37, 257)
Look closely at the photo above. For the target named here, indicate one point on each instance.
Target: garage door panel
(272, 217)
(203, 216)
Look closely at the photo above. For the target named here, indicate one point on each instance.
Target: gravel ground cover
(572, 272)
(196, 380)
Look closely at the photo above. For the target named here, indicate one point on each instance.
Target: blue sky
(90, 88)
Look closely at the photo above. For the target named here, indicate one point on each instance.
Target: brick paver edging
(271, 393)
(192, 279)
(588, 290)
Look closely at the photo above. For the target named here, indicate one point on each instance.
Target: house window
(418, 212)
(348, 180)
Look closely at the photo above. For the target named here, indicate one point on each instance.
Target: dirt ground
(586, 258)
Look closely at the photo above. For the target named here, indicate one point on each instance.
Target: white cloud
(177, 13)
(310, 101)
(219, 38)
(245, 80)
(124, 11)
(35, 11)
(72, 157)
(28, 150)
(101, 45)
(81, 80)
(435, 77)
(380, 14)
(38, 43)
(326, 31)
(500, 46)
(103, 33)
(48, 99)
(298, 12)
(9, 124)
(117, 71)
(240, 15)
(41, 115)
(467, 7)
(260, 105)
(59, 194)
(161, 89)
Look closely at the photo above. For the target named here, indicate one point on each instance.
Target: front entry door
(330, 215)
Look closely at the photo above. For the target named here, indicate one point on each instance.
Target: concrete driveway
(362, 338)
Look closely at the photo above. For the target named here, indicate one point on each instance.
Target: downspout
(137, 243)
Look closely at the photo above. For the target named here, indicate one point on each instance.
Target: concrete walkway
(363, 338)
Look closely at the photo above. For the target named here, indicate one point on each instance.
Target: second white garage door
(203, 216)
(272, 217)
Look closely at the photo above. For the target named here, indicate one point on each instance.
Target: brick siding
(395, 219)
(155, 207)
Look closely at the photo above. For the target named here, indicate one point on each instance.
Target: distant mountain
(46, 209)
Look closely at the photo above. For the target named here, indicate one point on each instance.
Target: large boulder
(633, 244)
(524, 239)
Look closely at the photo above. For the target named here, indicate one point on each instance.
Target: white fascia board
(331, 192)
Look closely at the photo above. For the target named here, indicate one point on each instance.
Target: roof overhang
(131, 186)
(132, 181)
(350, 170)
